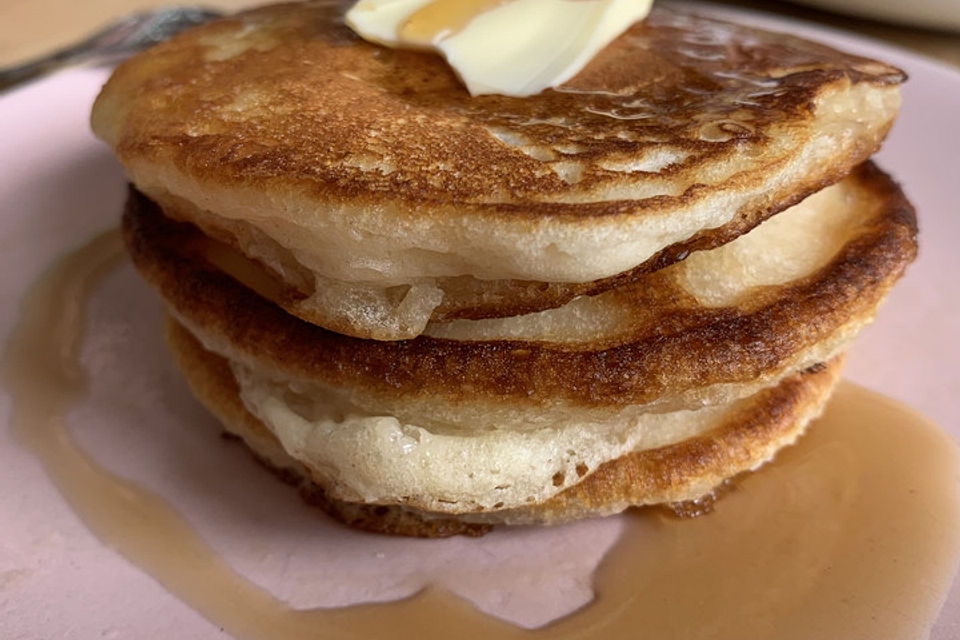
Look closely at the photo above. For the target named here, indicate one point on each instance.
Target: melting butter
(509, 47)
(440, 18)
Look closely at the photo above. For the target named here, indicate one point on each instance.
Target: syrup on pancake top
(437, 312)
(380, 195)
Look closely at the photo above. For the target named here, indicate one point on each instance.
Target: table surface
(29, 28)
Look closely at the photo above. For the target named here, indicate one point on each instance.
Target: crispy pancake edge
(680, 472)
(713, 347)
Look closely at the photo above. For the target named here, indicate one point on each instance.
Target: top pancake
(322, 154)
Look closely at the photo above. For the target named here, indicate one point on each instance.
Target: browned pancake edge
(680, 472)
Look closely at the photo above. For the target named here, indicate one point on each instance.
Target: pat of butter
(510, 47)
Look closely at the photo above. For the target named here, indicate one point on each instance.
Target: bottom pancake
(750, 435)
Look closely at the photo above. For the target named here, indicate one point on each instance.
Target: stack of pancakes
(437, 313)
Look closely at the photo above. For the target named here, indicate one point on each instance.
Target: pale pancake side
(680, 472)
(665, 346)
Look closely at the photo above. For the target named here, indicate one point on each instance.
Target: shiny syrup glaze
(852, 533)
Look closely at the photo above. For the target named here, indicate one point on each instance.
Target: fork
(119, 39)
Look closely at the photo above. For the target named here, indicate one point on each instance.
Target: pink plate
(59, 186)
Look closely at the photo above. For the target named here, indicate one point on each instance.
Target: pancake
(748, 435)
(381, 196)
(827, 263)
(436, 313)
(525, 408)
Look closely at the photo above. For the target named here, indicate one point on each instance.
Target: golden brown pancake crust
(663, 475)
(304, 102)
(685, 347)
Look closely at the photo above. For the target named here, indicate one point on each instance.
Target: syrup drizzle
(442, 18)
(852, 533)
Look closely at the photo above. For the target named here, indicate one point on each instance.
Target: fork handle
(12, 76)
